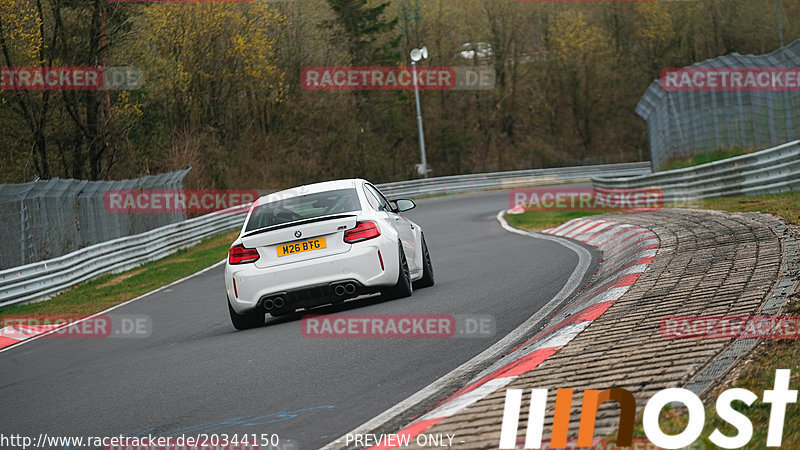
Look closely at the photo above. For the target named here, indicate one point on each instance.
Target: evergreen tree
(365, 28)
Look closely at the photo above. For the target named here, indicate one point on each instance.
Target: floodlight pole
(780, 21)
(419, 122)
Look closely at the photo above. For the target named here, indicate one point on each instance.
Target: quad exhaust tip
(341, 290)
(344, 289)
(273, 303)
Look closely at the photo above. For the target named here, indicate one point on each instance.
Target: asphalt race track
(195, 374)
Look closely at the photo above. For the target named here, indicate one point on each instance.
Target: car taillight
(242, 255)
(362, 232)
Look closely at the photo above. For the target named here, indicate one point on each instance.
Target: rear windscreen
(307, 206)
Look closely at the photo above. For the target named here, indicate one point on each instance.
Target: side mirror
(404, 204)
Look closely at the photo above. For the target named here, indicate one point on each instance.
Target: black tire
(250, 319)
(427, 279)
(403, 288)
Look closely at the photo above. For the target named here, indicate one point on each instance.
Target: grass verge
(114, 288)
(786, 205)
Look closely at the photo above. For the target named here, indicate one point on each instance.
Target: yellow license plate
(300, 247)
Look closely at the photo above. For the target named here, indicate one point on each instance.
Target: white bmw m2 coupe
(323, 244)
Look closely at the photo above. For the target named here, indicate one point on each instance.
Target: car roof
(311, 189)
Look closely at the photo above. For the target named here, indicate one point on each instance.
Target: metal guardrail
(457, 184)
(47, 278)
(769, 171)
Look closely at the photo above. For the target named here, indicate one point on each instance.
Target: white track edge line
(493, 352)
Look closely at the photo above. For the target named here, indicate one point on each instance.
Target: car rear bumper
(308, 283)
(311, 296)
